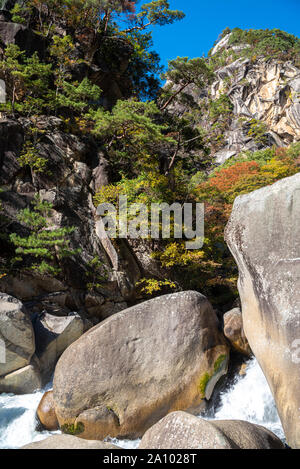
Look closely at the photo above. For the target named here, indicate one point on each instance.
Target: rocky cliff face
(268, 92)
(264, 109)
(69, 186)
(265, 91)
(76, 168)
(257, 106)
(259, 103)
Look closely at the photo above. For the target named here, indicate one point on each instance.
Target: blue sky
(205, 20)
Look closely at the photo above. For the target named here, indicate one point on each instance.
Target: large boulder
(234, 331)
(180, 430)
(68, 442)
(53, 335)
(264, 236)
(46, 412)
(129, 371)
(16, 335)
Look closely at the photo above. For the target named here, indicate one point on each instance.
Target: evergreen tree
(183, 72)
(130, 135)
(27, 81)
(45, 247)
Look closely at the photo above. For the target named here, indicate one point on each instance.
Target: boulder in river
(23, 381)
(234, 332)
(180, 430)
(129, 371)
(46, 412)
(263, 235)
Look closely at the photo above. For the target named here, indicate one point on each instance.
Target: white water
(18, 421)
(248, 399)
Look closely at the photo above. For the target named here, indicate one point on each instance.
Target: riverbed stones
(180, 430)
(129, 371)
(263, 234)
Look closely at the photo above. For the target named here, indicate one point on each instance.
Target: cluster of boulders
(181, 430)
(130, 370)
(136, 372)
(31, 344)
(164, 356)
(127, 372)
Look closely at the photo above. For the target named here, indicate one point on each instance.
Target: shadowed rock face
(180, 430)
(26, 39)
(53, 335)
(264, 236)
(126, 373)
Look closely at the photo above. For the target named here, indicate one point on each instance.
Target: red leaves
(228, 177)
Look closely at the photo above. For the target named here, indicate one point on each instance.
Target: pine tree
(78, 97)
(27, 81)
(183, 72)
(45, 247)
(130, 135)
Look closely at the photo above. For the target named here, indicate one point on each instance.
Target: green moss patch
(73, 429)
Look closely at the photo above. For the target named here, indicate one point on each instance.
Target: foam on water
(248, 399)
(18, 421)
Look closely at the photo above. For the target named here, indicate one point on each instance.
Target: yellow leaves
(109, 193)
(152, 285)
(278, 169)
(175, 254)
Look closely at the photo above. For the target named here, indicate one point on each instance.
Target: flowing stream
(249, 398)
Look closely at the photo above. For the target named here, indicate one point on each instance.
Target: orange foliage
(229, 177)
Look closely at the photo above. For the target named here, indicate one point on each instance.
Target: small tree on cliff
(130, 135)
(94, 14)
(46, 245)
(183, 72)
(27, 80)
